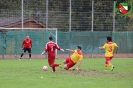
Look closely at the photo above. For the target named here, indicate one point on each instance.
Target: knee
(65, 67)
(106, 62)
(51, 65)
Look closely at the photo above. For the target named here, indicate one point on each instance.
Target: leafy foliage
(81, 13)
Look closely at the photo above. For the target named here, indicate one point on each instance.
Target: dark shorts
(27, 49)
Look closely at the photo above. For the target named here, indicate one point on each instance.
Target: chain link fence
(70, 15)
(82, 22)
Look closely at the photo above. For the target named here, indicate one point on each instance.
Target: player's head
(109, 38)
(27, 37)
(50, 38)
(78, 47)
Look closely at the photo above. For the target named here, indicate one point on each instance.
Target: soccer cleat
(105, 70)
(60, 66)
(112, 68)
(71, 69)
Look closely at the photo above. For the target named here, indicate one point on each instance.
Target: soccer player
(50, 48)
(76, 57)
(109, 52)
(26, 45)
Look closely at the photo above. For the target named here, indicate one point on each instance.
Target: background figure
(50, 48)
(75, 57)
(26, 45)
(109, 52)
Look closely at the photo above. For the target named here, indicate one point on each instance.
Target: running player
(109, 52)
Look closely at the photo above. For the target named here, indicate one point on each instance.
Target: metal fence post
(92, 14)
(46, 13)
(114, 17)
(70, 15)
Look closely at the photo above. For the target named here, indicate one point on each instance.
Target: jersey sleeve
(31, 42)
(104, 46)
(115, 45)
(81, 57)
(57, 47)
(46, 48)
(23, 43)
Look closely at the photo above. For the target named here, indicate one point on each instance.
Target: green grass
(27, 74)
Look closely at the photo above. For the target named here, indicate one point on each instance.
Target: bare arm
(72, 51)
(116, 49)
(45, 50)
(31, 43)
(79, 63)
(101, 48)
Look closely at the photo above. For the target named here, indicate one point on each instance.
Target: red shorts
(69, 62)
(108, 59)
(51, 59)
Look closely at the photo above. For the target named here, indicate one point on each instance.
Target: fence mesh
(89, 41)
(74, 14)
(74, 20)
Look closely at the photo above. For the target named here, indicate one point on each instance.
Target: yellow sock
(106, 66)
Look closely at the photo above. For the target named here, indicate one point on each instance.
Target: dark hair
(79, 47)
(50, 38)
(109, 38)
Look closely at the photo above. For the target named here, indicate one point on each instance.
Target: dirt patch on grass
(96, 73)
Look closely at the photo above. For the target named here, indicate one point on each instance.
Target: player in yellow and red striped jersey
(109, 47)
(76, 57)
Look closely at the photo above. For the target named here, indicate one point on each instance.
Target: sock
(21, 55)
(53, 67)
(106, 66)
(110, 64)
(29, 56)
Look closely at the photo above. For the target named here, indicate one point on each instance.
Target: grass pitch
(29, 74)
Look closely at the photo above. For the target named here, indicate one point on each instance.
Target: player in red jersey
(26, 45)
(50, 48)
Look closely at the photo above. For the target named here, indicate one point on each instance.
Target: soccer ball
(45, 68)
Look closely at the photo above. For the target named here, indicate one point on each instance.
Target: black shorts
(27, 49)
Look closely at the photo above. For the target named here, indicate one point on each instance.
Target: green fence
(10, 42)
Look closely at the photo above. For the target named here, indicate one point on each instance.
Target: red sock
(53, 68)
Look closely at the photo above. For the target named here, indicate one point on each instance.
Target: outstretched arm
(101, 48)
(72, 51)
(45, 50)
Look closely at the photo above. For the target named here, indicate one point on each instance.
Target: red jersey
(27, 43)
(50, 47)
